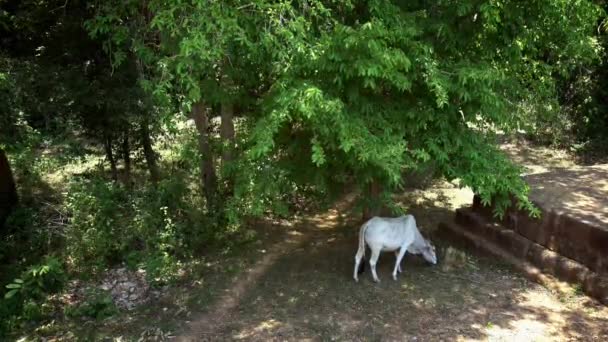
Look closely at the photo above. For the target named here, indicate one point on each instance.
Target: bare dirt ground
(300, 287)
(558, 183)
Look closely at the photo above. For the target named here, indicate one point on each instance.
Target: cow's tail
(361, 251)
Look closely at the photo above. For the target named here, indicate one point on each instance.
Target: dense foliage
(312, 97)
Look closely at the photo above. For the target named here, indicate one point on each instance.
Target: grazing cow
(399, 234)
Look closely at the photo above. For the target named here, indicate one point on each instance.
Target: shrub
(140, 226)
(99, 305)
(97, 231)
(24, 297)
(38, 280)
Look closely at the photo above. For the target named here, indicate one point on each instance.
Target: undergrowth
(80, 228)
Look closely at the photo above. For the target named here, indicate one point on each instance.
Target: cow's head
(428, 252)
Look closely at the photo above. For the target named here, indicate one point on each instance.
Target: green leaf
(318, 155)
(10, 294)
(194, 93)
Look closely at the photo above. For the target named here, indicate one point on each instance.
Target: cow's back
(388, 232)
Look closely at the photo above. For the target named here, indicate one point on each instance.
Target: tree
(389, 86)
(8, 190)
(583, 96)
(352, 91)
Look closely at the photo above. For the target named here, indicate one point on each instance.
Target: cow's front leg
(398, 261)
(402, 251)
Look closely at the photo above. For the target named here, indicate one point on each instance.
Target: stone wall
(573, 238)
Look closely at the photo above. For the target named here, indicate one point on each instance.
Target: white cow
(399, 234)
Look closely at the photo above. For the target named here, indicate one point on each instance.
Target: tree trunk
(227, 132)
(8, 190)
(145, 129)
(110, 156)
(126, 156)
(149, 152)
(372, 208)
(208, 176)
(47, 121)
(227, 137)
(227, 128)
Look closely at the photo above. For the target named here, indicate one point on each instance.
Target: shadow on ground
(306, 291)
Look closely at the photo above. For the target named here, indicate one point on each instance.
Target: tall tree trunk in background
(227, 132)
(227, 137)
(373, 197)
(146, 140)
(227, 127)
(110, 156)
(47, 121)
(149, 152)
(208, 177)
(126, 156)
(8, 190)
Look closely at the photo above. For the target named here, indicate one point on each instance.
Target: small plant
(578, 290)
(161, 269)
(32, 311)
(99, 305)
(14, 288)
(25, 297)
(38, 280)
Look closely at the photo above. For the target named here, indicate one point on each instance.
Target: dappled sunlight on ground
(536, 158)
(580, 192)
(302, 289)
(296, 282)
(559, 184)
(268, 326)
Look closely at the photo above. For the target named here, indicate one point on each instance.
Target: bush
(38, 280)
(112, 224)
(96, 233)
(24, 298)
(99, 305)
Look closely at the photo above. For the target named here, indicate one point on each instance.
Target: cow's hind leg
(398, 264)
(362, 265)
(358, 258)
(373, 260)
